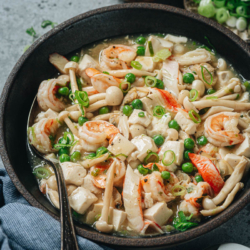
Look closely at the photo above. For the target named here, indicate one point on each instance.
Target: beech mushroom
(222, 65)
(113, 97)
(215, 110)
(102, 224)
(199, 86)
(224, 77)
(88, 163)
(172, 134)
(70, 68)
(189, 105)
(64, 116)
(122, 72)
(229, 97)
(182, 95)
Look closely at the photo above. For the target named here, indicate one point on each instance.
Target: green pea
(165, 175)
(159, 140)
(141, 114)
(142, 170)
(104, 110)
(130, 77)
(137, 104)
(82, 120)
(188, 78)
(64, 158)
(210, 91)
(75, 156)
(63, 91)
(198, 178)
(75, 59)
(159, 84)
(102, 150)
(127, 110)
(140, 51)
(188, 143)
(140, 40)
(187, 167)
(63, 151)
(202, 140)
(186, 156)
(174, 124)
(247, 85)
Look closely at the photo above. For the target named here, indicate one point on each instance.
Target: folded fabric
(24, 227)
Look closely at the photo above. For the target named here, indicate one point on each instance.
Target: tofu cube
(135, 119)
(150, 102)
(158, 213)
(185, 123)
(73, 173)
(136, 130)
(81, 199)
(118, 218)
(88, 184)
(177, 147)
(54, 197)
(147, 62)
(233, 160)
(121, 145)
(148, 200)
(159, 126)
(144, 143)
(243, 149)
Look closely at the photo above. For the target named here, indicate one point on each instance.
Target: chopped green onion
(178, 190)
(182, 222)
(168, 160)
(121, 155)
(128, 87)
(194, 116)
(150, 81)
(82, 98)
(136, 65)
(47, 23)
(33, 134)
(193, 95)
(105, 72)
(31, 32)
(237, 97)
(159, 111)
(41, 173)
(151, 157)
(241, 10)
(97, 217)
(141, 114)
(207, 10)
(150, 47)
(162, 55)
(212, 97)
(219, 3)
(202, 73)
(155, 168)
(221, 15)
(65, 142)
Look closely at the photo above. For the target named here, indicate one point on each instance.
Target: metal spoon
(68, 235)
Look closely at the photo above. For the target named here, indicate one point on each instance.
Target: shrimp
(153, 184)
(95, 132)
(101, 81)
(189, 209)
(40, 134)
(221, 129)
(208, 150)
(46, 96)
(199, 191)
(208, 171)
(117, 57)
(101, 172)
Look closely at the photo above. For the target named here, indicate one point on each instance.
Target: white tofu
(81, 199)
(121, 145)
(73, 173)
(176, 39)
(233, 160)
(185, 123)
(70, 189)
(243, 149)
(150, 102)
(158, 213)
(222, 151)
(159, 126)
(147, 62)
(135, 119)
(158, 44)
(88, 184)
(54, 197)
(144, 143)
(177, 147)
(148, 200)
(118, 218)
(96, 212)
(52, 183)
(136, 130)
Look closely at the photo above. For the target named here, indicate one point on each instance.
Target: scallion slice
(150, 47)
(162, 55)
(212, 97)
(150, 81)
(193, 95)
(128, 86)
(168, 158)
(41, 173)
(194, 116)
(82, 98)
(178, 190)
(159, 111)
(151, 157)
(136, 65)
(202, 73)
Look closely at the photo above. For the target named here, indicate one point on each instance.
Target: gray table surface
(18, 15)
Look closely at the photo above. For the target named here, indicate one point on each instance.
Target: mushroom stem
(229, 97)
(64, 116)
(73, 82)
(102, 224)
(104, 117)
(237, 106)
(96, 98)
(123, 72)
(215, 110)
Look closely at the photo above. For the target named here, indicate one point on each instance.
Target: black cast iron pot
(33, 67)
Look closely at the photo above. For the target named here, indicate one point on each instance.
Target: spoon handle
(68, 236)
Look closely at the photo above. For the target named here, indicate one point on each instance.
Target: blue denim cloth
(25, 227)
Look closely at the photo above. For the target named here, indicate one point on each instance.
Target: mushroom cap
(114, 96)
(103, 226)
(172, 134)
(63, 115)
(189, 105)
(70, 65)
(199, 86)
(208, 204)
